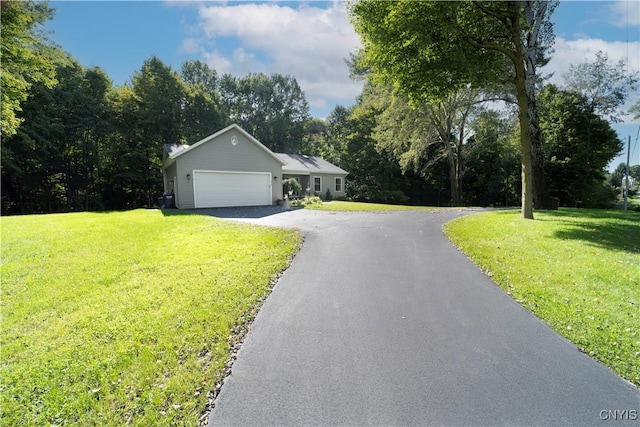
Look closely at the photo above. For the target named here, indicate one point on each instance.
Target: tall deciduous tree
(578, 147)
(26, 57)
(271, 108)
(429, 49)
(54, 160)
(160, 95)
(603, 85)
(423, 134)
(202, 111)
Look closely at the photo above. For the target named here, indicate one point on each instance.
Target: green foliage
(26, 58)
(108, 320)
(306, 202)
(59, 148)
(575, 269)
(431, 49)
(616, 181)
(491, 162)
(578, 145)
(160, 93)
(86, 145)
(635, 110)
(202, 110)
(422, 134)
(604, 86)
(271, 108)
(374, 175)
(290, 186)
(403, 44)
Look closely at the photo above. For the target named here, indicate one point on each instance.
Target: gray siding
(328, 181)
(169, 175)
(220, 155)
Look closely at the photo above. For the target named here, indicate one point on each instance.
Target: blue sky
(309, 40)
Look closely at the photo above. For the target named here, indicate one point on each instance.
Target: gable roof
(305, 165)
(176, 150)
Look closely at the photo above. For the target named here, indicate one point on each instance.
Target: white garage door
(214, 189)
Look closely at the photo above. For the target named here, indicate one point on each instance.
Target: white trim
(294, 172)
(194, 173)
(341, 184)
(314, 184)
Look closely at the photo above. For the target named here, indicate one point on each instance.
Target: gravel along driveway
(379, 320)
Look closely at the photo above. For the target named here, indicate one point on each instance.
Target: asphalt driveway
(381, 321)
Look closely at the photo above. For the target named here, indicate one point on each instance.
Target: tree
(578, 146)
(198, 73)
(635, 110)
(290, 186)
(374, 173)
(53, 162)
(424, 134)
(160, 96)
(271, 108)
(604, 86)
(26, 57)
(491, 165)
(429, 49)
(202, 111)
(336, 134)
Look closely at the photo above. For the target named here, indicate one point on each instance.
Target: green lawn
(116, 318)
(578, 270)
(342, 206)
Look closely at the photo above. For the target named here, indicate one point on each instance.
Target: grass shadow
(613, 230)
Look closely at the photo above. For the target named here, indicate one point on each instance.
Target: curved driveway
(381, 321)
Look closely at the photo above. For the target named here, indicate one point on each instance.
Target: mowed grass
(344, 206)
(578, 270)
(125, 318)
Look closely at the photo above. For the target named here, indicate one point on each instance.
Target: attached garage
(216, 189)
(228, 168)
(232, 168)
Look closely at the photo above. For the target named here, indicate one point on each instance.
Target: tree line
(71, 140)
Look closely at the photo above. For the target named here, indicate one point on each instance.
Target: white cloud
(625, 12)
(217, 61)
(190, 46)
(574, 52)
(308, 42)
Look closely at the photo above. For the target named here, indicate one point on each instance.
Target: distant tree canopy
(71, 140)
(83, 144)
(271, 108)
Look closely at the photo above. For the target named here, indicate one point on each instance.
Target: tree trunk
(535, 18)
(541, 199)
(453, 179)
(522, 96)
(526, 154)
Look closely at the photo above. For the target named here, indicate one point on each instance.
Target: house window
(317, 184)
(338, 185)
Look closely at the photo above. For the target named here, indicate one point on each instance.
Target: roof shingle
(302, 164)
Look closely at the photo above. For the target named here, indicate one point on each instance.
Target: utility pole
(626, 175)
